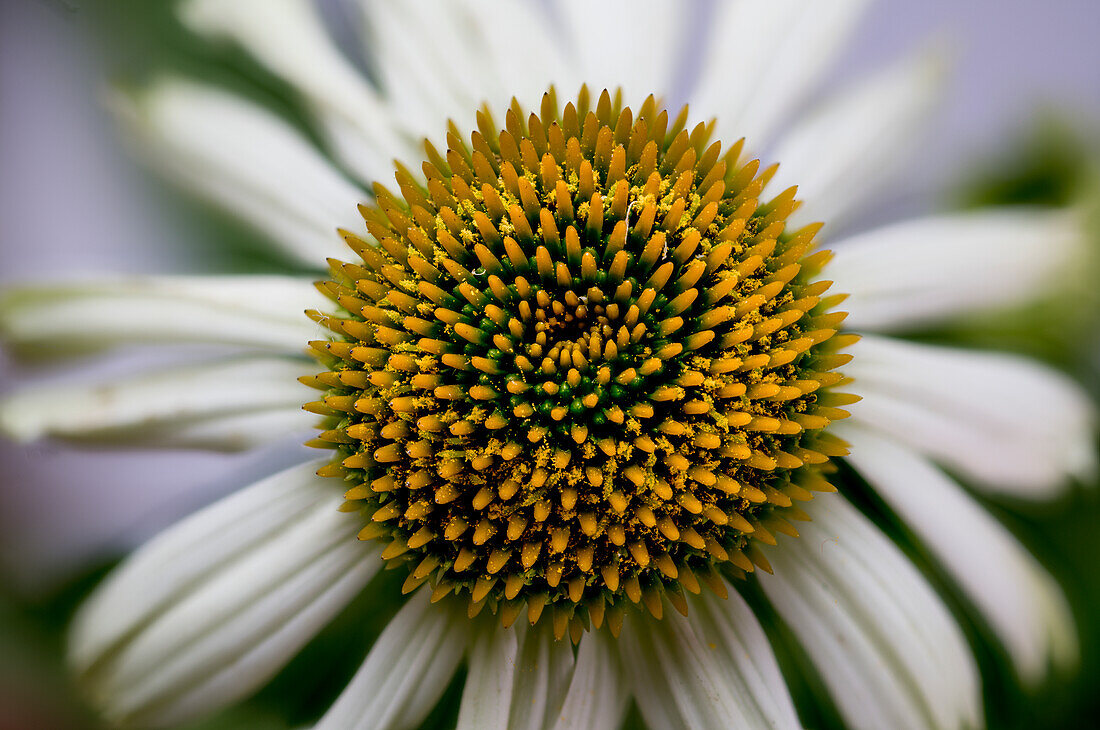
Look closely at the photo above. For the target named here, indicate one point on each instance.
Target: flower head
(580, 366)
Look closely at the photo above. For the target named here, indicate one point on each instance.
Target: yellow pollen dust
(579, 366)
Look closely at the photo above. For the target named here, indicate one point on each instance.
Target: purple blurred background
(72, 202)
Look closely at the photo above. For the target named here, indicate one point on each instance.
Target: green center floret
(579, 366)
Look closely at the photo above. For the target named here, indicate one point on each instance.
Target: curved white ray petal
(597, 694)
(226, 432)
(841, 154)
(179, 407)
(232, 592)
(293, 44)
(882, 640)
(633, 45)
(259, 312)
(429, 81)
(523, 47)
(301, 578)
(544, 670)
(243, 158)
(1019, 599)
(1013, 425)
(465, 54)
(762, 57)
(525, 679)
(487, 696)
(406, 671)
(286, 625)
(170, 564)
(928, 270)
(713, 668)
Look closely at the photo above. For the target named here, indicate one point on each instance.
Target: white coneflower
(579, 374)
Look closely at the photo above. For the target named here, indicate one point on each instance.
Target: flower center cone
(578, 365)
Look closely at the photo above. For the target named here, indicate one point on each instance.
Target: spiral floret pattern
(578, 365)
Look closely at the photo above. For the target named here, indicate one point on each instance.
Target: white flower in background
(579, 382)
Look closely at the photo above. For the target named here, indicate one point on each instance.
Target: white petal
(1011, 424)
(928, 270)
(543, 673)
(635, 44)
(597, 694)
(763, 56)
(243, 158)
(225, 432)
(523, 48)
(487, 696)
(215, 606)
(168, 565)
(180, 407)
(712, 669)
(406, 671)
(285, 624)
(1018, 598)
(881, 639)
(291, 42)
(841, 154)
(442, 59)
(265, 312)
(214, 630)
(427, 81)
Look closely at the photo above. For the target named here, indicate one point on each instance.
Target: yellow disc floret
(578, 365)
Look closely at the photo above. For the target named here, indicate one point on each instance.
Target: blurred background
(1020, 123)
